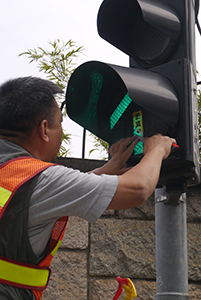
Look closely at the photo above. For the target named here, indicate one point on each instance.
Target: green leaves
(63, 152)
(101, 146)
(58, 65)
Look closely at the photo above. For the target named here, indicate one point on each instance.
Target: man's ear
(44, 130)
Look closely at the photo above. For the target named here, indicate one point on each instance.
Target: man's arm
(136, 184)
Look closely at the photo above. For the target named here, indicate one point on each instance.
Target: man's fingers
(122, 145)
(130, 148)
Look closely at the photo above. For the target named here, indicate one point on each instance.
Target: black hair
(25, 102)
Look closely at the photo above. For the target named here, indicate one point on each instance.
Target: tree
(101, 146)
(58, 65)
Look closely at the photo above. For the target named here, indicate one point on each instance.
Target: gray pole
(171, 246)
(83, 143)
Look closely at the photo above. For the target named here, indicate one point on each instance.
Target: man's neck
(21, 139)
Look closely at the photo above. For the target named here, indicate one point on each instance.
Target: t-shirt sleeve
(61, 191)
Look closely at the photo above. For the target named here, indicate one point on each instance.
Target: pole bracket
(172, 195)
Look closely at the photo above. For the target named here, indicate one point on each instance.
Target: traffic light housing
(156, 94)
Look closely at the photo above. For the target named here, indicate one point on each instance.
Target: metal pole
(83, 143)
(171, 246)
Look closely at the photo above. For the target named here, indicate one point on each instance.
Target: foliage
(101, 146)
(58, 65)
(63, 152)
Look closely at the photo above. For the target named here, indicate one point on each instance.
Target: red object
(121, 282)
(175, 145)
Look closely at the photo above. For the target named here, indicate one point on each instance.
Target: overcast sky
(27, 24)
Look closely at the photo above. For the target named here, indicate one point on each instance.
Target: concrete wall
(120, 243)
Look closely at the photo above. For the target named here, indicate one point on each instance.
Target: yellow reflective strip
(23, 275)
(56, 248)
(4, 196)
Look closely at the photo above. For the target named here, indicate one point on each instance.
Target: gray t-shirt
(61, 191)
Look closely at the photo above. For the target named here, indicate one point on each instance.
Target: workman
(36, 196)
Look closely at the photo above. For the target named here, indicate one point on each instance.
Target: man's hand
(122, 150)
(137, 184)
(161, 143)
(120, 153)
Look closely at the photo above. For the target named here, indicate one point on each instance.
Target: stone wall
(120, 243)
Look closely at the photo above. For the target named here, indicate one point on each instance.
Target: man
(36, 196)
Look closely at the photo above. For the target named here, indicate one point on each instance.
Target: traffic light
(156, 94)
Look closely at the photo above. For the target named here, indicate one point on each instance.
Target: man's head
(30, 116)
(25, 101)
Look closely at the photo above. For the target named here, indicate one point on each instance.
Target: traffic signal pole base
(171, 245)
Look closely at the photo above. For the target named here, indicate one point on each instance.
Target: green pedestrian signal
(117, 114)
(156, 94)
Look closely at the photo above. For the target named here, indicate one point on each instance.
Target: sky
(31, 24)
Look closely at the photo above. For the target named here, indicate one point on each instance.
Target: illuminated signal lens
(123, 105)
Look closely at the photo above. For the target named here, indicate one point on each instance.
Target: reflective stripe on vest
(13, 174)
(16, 172)
(26, 275)
(4, 196)
(60, 227)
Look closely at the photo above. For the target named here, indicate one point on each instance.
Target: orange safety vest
(13, 174)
